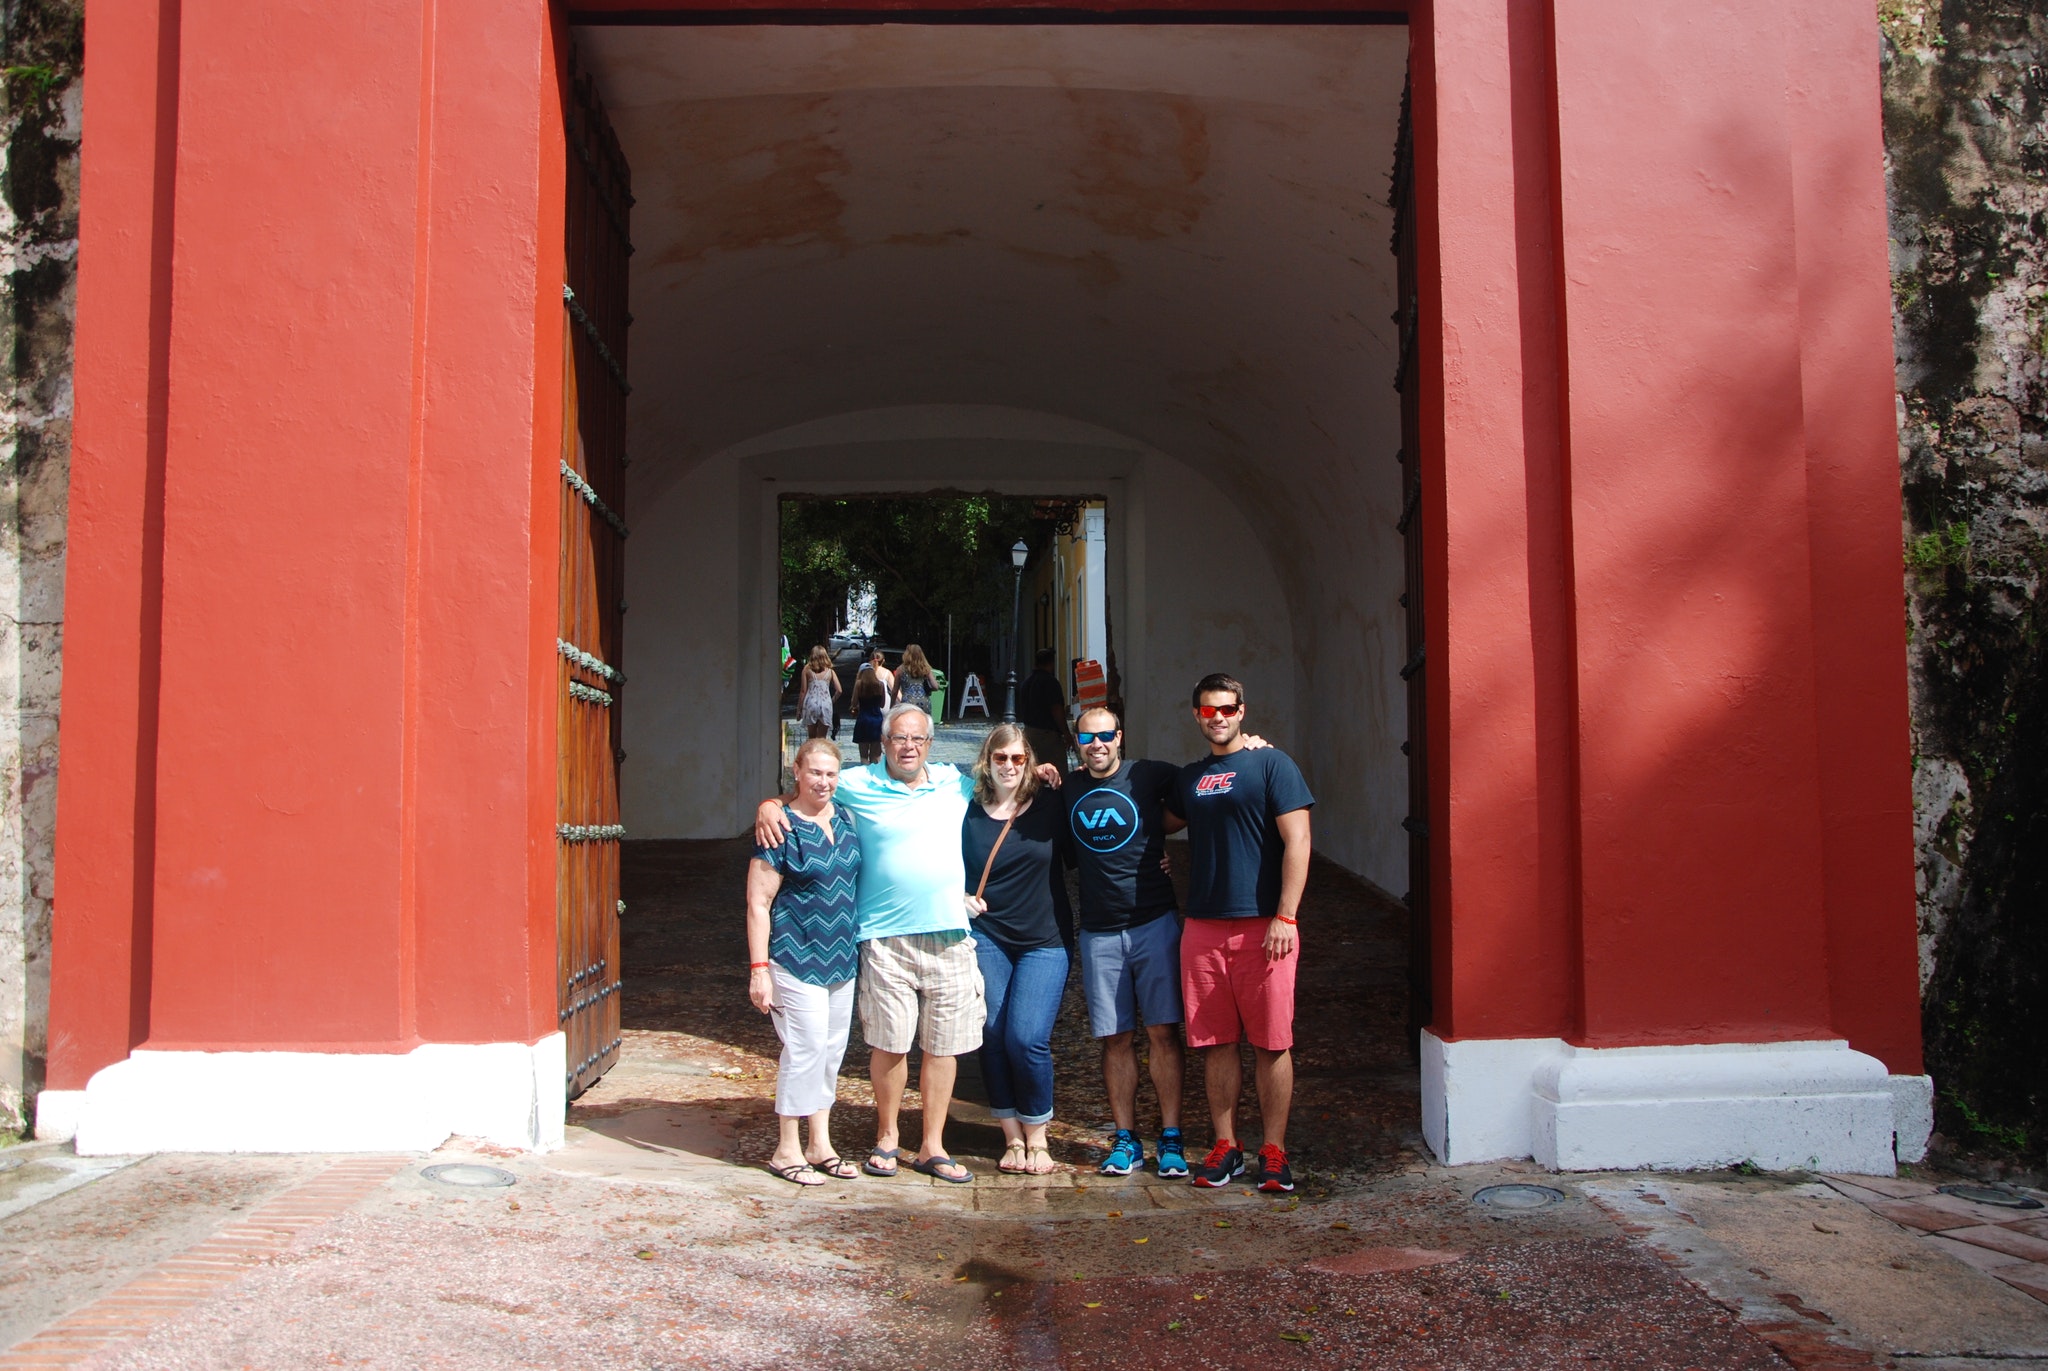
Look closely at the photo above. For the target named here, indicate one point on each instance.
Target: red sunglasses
(1211, 711)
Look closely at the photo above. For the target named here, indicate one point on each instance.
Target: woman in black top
(1020, 916)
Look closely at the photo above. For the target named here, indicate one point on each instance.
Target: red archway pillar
(305, 848)
(1669, 743)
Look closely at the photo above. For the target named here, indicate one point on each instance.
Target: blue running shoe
(1125, 1155)
(1173, 1162)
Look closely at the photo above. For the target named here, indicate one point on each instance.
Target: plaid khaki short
(922, 988)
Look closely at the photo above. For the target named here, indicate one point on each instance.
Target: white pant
(813, 1022)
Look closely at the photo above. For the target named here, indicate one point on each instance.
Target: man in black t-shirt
(1130, 937)
(1248, 850)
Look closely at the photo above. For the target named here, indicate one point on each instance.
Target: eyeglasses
(1211, 711)
(1107, 735)
(1009, 758)
(908, 739)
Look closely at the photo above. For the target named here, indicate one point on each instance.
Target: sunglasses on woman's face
(1212, 711)
(1107, 735)
(1009, 758)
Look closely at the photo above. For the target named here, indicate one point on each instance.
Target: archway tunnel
(1151, 263)
(1151, 260)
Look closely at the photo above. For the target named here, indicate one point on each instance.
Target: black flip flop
(886, 1152)
(930, 1167)
(794, 1174)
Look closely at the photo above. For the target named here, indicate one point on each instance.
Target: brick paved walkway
(2011, 1244)
(201, 1271)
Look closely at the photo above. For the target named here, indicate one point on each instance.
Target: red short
(1230, 987)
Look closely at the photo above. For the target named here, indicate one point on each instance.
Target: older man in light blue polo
(918, 979)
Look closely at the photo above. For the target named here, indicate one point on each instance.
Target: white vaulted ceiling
(1178, 233)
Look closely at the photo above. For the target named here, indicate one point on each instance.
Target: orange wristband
(1285, 920)
(756, 966)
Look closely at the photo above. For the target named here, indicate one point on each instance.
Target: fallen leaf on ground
(1345, 1226)
(1116, 1213)
(1223, 1223)
(1297, 1337)
(644, 1255)
(1201, 1297)
(1140, 1241)
(1097, 1304)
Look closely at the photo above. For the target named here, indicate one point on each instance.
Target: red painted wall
(106, 784)
(1671, 760)
(346, 333)
(307, 794)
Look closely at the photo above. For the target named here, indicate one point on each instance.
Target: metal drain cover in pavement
(1518, 1196)
(1990, 1194)
(469, 1174)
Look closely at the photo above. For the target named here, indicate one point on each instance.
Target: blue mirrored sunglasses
(1099, 736)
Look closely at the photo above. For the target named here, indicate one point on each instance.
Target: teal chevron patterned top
(812, 926)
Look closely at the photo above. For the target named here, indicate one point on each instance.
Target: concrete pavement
(643, 1244)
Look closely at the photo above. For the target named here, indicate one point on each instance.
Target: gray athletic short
(1138, 968)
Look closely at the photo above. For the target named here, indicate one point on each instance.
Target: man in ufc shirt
(1248, 848)
(1130, 939)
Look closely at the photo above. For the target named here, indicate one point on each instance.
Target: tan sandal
(1031, 1168)
(1023, 1162)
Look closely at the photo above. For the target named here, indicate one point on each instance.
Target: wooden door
(1413, 669)
(593, 533)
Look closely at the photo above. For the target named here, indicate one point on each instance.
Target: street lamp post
(1018, 556)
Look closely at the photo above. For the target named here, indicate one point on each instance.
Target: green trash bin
(938, 694)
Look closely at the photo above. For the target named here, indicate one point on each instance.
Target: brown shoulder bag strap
(990, 864)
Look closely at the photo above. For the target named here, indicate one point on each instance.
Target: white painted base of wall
(511, 1094)
(1912, 1115)
(1813, 1106)
(57, 1114)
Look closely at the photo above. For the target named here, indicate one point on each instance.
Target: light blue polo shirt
(911, 874)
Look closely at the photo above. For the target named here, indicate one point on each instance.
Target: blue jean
(1023, 990)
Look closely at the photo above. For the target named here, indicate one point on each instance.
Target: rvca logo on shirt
(1217, 783)
(1104, 820)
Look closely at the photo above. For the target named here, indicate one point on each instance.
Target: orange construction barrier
(1091, 683)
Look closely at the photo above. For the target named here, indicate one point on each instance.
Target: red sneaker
(1276, 1177)
(1224, 1164)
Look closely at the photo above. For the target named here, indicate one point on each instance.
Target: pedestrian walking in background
(914, 683)
(1042, 709)
(1013, 849)
(820, 688)
(870, 702)
(879, 665)
(803, 955)
(1247, 812)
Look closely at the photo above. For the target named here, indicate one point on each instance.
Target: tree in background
(927, 557)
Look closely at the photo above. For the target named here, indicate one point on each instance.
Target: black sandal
(837, 1169)
(930, 1167)
(794, 1174)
